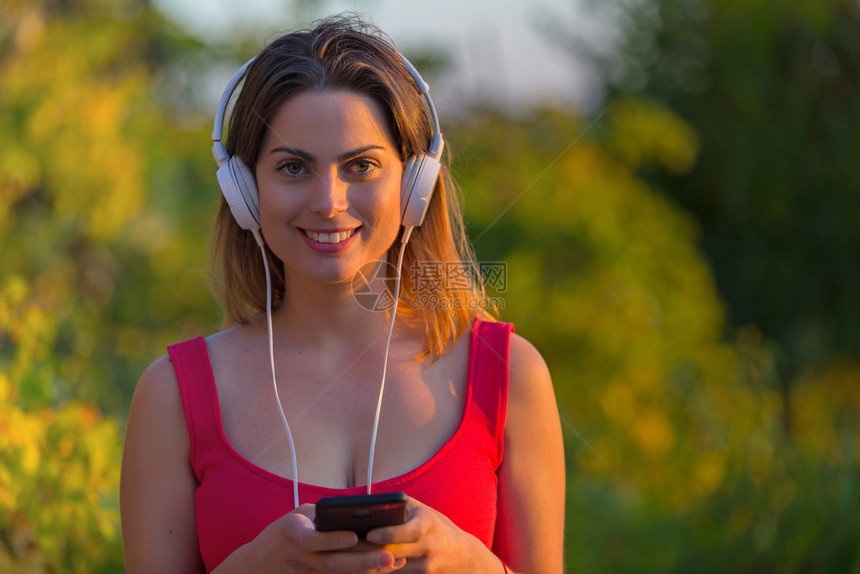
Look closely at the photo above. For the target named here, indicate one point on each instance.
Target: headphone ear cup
(419, 181)
(240, 190)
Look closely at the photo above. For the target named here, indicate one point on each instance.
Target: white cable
(385, 364)
(274, 376)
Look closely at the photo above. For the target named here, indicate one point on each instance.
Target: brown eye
(364, 166)
(291, 168)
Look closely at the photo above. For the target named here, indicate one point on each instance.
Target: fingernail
(385, 560)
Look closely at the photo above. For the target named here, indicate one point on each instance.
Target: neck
(330, 316)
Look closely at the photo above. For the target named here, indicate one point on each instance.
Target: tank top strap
(199, 396)
(489, 360)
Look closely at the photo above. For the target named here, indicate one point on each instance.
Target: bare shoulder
(235, 353)
(532, 411)
(157, 390)
(156, 417)
(156, 420)
(158, 371)
(529, 376)
(529, 533)
(240, 336)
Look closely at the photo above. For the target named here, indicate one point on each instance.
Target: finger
(376, 562)
(395, 535)
(299, 527)
(314, 541)
(400, 551)
(308, 510)
(366, 546)
(410, 532)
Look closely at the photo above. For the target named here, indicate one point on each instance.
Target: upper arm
(157, 485)
(530, 527)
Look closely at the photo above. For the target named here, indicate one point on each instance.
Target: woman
(325, 140)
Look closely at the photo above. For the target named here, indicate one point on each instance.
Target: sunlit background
(673, 185)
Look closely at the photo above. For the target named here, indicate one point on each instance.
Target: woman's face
(329, 176)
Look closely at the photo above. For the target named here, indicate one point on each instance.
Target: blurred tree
(97, 233)
(98, 195)
(59, 473)
(769, 91)
(772, 90)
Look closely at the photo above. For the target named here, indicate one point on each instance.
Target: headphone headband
(221, 155)
(436, 143)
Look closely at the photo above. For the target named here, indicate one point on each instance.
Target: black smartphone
(361, 513)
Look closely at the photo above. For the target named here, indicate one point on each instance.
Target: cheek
(276, 208)
(274, 196)
(385, 207)
(378, 200)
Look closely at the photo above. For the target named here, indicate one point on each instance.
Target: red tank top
(236, 500)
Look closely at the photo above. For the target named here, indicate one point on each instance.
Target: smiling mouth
(334, 237)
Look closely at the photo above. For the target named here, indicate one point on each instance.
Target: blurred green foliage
(98, 270)
(624, 233)
(771, 89)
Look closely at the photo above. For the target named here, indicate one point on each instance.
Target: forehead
(329, 119)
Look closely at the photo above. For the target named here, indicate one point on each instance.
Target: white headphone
(240, 189)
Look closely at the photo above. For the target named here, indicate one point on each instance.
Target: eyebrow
(309, 157)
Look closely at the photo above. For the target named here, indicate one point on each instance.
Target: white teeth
(335, 237)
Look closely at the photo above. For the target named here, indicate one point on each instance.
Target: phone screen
(361, 513)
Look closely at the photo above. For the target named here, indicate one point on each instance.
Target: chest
(330, 408)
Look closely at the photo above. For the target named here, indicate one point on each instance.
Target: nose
(329, 195)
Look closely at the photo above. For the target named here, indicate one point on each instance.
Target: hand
(431, 543)
(291, 544)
